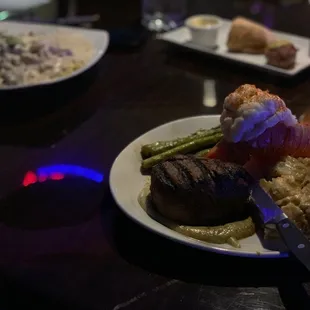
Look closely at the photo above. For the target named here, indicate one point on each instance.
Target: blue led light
(72, 170)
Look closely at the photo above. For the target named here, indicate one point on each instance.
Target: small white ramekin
(204, 35)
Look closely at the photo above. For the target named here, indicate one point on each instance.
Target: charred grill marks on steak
(178, 173)
(186, 175)
(182, 172)
(203, 169)
(165, 175)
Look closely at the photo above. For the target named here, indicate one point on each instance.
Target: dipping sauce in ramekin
(204, 29)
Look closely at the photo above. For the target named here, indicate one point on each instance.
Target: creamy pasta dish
(33, 58)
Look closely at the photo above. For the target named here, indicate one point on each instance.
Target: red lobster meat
(258, 130)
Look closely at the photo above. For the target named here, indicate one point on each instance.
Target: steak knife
(296, 242)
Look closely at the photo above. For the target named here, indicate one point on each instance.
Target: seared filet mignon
(199, 191)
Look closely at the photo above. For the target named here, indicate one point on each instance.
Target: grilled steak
(200, 191)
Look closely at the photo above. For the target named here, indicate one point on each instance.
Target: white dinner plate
(99, 39)
(182, 37)
(126, 182)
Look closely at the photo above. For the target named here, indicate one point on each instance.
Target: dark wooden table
(70, 247)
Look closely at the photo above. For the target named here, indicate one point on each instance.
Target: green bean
(159, 147)
(186, 148)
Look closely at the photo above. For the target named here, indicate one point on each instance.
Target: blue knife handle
(296, 242)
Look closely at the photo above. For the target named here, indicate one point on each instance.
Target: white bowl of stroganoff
(33, 54)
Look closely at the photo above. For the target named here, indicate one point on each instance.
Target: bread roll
(246, 36)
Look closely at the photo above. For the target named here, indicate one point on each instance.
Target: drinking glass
(163, 15)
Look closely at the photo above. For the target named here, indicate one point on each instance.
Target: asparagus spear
(191, 146)
(203, 152)
(159, 147)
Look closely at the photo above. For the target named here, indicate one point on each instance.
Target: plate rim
(184, 240)
(95, 59)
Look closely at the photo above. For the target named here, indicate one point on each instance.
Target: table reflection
(209, 97)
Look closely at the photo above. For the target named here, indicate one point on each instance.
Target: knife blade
(269, 211)
(296, 242)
